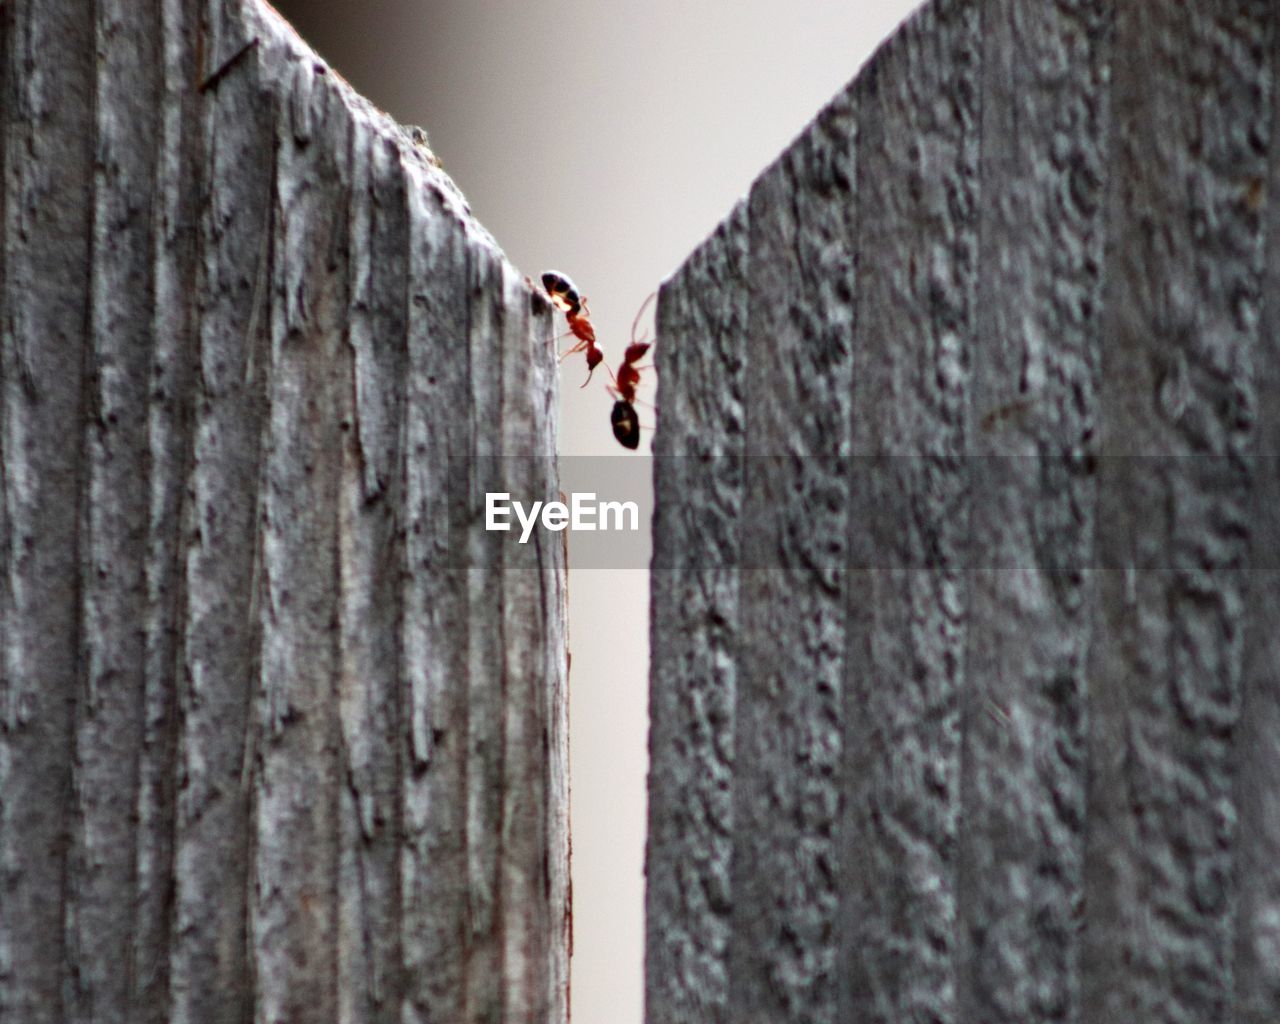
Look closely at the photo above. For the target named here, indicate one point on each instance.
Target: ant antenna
(640, 312)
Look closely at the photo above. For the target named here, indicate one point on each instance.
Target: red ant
(626, 424)
(564, 296)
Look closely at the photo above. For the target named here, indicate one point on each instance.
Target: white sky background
(604, 140)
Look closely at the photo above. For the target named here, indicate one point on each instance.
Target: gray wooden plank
(908, 592)
(536, 885)
(210, 959)
(101, 872)
(209, 265)
(553, 694)
(372, 381)
(296, 784)
(48, 131)
(1191, 120)
(1257, 868)
(1021, 850)
(170, 414)
(990, 673)
(485, 680)
(783, 958)
(527, 367)
(434, 884)
(699, 445)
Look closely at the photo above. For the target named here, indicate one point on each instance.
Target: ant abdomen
(626, 424)
(563, 292)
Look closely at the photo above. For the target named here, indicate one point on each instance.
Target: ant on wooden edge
(565, 296)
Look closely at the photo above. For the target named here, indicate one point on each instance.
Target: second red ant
(624, 419)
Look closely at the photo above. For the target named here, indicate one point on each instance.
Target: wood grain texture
(786, 805)
(220, 640)
(113, 528)
(171, 407)
(694, 625)
(918, 201)
(266, 751)
(1191, 132)
(48, 127)
(1052, 698)
(1021, 849)
(434, 885)
(1257, 868)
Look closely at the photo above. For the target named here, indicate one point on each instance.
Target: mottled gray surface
(695, 628)
(786, 787)
(282, 735)
(996, 696)
(1182, 297)
(1020, 856)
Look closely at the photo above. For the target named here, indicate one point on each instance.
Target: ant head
(594, 358)
(635, 351)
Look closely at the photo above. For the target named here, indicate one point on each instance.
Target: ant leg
(572, 351)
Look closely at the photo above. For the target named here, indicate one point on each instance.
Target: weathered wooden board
(786, 802)
(48, 225)
(1041, 658)
(1033, 414)
(695, 623)
(1191, 129)
(918, 201)
(282, 732)
(1256, 956)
